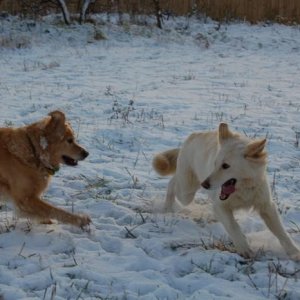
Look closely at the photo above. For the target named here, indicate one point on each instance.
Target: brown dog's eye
(225, 166)
(70, 140)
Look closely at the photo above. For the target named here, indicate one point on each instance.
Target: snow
(138, 91)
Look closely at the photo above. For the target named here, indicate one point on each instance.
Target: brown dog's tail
(165, 163)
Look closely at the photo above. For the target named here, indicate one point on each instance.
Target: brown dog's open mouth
(69, 161)
(227, 189)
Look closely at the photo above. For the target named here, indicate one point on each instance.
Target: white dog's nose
(206, 184)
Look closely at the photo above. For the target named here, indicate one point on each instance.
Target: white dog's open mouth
(227, 189)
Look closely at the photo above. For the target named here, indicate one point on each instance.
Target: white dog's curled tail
(165, 163)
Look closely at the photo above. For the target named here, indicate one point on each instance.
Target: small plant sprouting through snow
(122, 112)
(297, 137)
(96, 187)
(129, 114)
(8, 123)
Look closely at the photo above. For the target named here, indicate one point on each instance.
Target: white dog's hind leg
(272, 219)
(170, 198)
(225, 216)
(187, 186)
(186, 195)
(183, 189)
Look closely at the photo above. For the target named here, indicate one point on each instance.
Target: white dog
(233, 170)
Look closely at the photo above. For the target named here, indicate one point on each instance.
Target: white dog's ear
(256, 149)
(224, 132)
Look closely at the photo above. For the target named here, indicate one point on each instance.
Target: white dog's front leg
(225, 216)
(271, 217)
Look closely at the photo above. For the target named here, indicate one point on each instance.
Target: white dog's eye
(225, 166)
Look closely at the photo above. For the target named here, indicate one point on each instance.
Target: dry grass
(283, 11)
(15, 42)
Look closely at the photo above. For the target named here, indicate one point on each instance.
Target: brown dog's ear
(56, 128)
(256, 150)
(224, 132)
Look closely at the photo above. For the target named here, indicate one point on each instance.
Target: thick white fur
(200, 161)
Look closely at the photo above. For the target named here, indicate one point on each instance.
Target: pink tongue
(228, 189)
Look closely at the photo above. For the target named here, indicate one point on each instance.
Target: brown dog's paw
(46, 222)
(83, 220)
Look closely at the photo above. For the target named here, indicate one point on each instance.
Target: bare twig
(158, 13)
(53, 292)
(20, 252)
(129, 233)
(253, 283)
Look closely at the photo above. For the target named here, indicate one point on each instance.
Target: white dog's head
(240, 163)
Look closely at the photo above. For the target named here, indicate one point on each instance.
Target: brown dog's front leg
(39, 209)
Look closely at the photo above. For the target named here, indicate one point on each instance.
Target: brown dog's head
(59, 142)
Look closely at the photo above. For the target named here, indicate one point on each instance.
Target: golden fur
(29, 155)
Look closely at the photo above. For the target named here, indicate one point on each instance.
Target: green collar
(52, 171)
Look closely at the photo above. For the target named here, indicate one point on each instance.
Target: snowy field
(128, 96)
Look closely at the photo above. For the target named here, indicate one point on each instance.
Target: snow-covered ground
(128, 96)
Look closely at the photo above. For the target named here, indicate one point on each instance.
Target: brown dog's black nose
(205, 184)
(84, 154)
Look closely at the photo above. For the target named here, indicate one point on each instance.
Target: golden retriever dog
(232, 168)
(29, 156)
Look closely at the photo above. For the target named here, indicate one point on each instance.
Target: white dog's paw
(168, 209)
(245, 252)
(295, 256)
